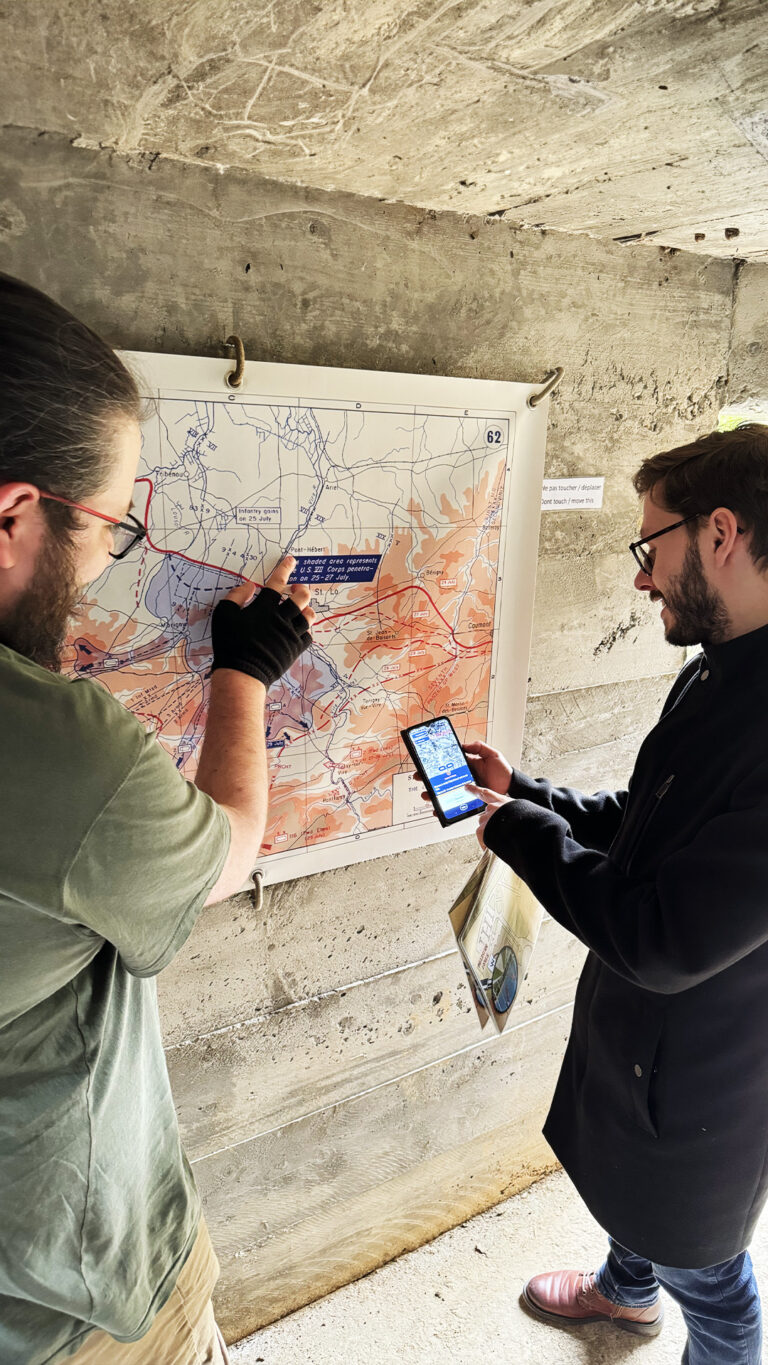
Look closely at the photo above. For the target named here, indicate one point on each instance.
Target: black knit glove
(262, 639)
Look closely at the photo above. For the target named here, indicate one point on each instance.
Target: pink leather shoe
(568, 1298)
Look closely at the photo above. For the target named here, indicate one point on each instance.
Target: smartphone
(435, 749)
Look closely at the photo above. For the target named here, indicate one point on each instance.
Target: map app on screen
(446, 767)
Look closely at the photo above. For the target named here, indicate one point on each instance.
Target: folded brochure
(496, 920)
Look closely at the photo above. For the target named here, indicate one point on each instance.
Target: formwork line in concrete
(382, 1085)
(636, 678)
(264, 1016)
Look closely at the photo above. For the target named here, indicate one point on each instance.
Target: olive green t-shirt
(107, 856)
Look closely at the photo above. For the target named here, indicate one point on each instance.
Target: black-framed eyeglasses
(125, 534)
(642, 556)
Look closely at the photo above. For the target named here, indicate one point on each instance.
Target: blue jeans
(720, 1304)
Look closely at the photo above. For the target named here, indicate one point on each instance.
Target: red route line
(353, 611)
(410, 587)
(372, 650)
(149, 715)
(415, 673)
(203, 564)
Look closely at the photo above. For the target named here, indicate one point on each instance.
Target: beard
(700, 614)
(37, 624)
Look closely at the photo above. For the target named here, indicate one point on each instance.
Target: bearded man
(107, 858)
(660, 1115)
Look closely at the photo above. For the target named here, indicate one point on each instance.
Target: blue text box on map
(335, 568)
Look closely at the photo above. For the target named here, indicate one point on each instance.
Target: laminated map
(411, 504)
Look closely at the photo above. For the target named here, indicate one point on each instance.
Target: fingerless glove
(262, 639)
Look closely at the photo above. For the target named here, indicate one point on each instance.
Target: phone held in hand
(439, 758)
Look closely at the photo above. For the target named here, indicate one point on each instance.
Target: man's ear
(19, 521)
(725, 530)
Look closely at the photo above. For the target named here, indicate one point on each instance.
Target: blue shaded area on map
(335, 568)
(181, 595)
(178, 590)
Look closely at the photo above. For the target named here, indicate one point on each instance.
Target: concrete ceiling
(623, 118)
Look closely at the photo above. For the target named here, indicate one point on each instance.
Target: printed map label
(335, 569)
(258, 515)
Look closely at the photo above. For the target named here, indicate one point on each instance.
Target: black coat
(660, 1115)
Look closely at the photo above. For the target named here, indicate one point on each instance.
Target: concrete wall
(336, 1096)
(618, 117)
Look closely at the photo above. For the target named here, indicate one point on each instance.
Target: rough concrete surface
(376, 917)
(339, 1105)
(316, 1203)
(174, 173)
(456, 1299)
(585, 629)
(618, 713)
(627, 118)
(749, 339)
(270, 1070)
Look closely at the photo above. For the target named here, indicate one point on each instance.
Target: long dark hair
(63, 392)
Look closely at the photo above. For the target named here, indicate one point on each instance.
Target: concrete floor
(456, 1299)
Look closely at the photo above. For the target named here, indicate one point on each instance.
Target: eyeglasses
(642, 556)
(125, 534)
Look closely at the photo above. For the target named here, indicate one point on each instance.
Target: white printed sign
(559, 495)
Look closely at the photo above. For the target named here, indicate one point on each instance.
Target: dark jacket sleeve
(594, 820)
(706, 907)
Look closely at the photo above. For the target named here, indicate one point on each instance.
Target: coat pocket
(645, 1081)
(641, 827)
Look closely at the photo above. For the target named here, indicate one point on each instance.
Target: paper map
(396, 513)
(496, 920)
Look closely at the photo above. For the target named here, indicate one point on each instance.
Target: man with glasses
(125, 534)
(107, 858)
(660, 1115)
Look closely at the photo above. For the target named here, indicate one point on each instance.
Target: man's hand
(263, 635)
(257, 639)
(493, 802)
(489, 767)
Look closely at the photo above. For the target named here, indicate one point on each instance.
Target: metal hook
(257, 894)
(550, 384)
(235, 377)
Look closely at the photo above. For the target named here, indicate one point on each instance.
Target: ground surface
(456, 1299)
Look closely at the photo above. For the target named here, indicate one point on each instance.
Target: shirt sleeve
(594, 820)
(703, 911)
(146, 865)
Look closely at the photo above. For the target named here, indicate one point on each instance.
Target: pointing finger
(278, 579)
(242, 592)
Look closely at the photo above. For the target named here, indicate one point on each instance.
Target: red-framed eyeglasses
(125, 534)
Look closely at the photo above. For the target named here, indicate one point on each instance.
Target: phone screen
(442, 759)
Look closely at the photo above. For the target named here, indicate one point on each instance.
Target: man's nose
(643, 581)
